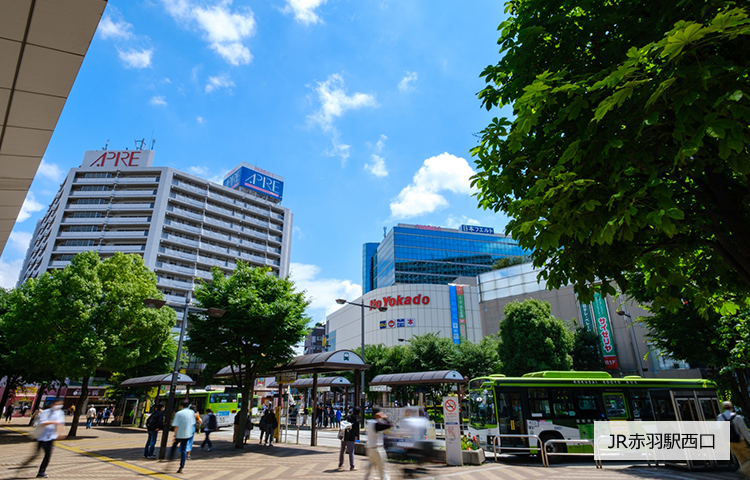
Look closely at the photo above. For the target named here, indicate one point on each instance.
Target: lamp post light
(625, 313)
(362, 305)
(157, 304)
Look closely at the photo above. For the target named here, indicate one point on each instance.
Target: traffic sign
(450, 405)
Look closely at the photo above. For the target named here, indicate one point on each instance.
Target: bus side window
(664, 410)
(641, 405)
(562, 403)
(539, 403)
(588, 407)
(614, 406)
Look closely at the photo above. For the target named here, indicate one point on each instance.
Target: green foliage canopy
(586, 351)
(532, 339)
(629, 145)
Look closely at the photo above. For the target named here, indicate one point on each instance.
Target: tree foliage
(88, 316)
(587, 351)
(532, 339)
(629, 145)
(265, 318)
(510, 261)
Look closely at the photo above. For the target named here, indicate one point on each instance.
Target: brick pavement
(110, 453)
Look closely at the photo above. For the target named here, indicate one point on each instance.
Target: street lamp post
(362, 305)
(636, 350)
(212, 312)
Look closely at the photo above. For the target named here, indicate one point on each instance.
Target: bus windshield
(223, 397)
(482, 407)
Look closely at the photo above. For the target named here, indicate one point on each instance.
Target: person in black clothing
(350, 437)
(154, 423)
(270, 424)
(212, 424)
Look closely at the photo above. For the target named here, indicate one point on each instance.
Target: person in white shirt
(375, 451)
(184, 429)
(90, 416)
(738, 444)
(52, 419)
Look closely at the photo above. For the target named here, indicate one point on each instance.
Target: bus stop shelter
(315, 364)
(323, 382)
(418, 378)
(149, 381)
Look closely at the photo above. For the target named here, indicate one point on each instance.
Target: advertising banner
(586, 318)
(453, 454)
(456, 335)
(604, 327)
(256, 179)
(461, 312)
(475, 229)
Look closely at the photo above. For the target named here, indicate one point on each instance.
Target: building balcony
(94, 194)
(124, 234)
(184, 213)
(179, 240)
(153, 179)
(79, 234)
(204, 274)
(99, 181)
(219, 236)
(124, 220)
(135, 193)
(59, 263)
(168, 267)
(132, 206)
(219, 223)
(221, 211)
(122, 248)
(223, 198)
(186, 200)
(175, 299)
(183, 227)
(218, 249)
(163, 282)
(279, 228)
(177, 254)
(255, 233)
(81, 206)
(217, 263)
(189, 188)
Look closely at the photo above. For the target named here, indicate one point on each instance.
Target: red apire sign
(399, 300)
(117, 159)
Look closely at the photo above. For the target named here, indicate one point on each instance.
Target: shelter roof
(326, 362)
(322, 382)
(155, 380)
(416, 378)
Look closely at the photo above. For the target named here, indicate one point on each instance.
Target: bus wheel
(553, 448)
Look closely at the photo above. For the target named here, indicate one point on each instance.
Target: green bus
(222, 401)
(564, 405)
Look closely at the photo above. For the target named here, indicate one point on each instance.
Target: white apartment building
(181, 225)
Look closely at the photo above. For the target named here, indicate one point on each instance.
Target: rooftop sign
(476, 229)
(256, 179)
(120, 159)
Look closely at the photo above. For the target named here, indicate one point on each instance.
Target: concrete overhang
(42, 46)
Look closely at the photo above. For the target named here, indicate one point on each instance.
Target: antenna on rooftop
(153, 142)
(106, 144)
(141, 142)
(152, 139)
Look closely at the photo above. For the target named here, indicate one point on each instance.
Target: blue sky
(366, 108)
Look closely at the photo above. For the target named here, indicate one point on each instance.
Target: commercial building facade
(181, 225)
(451, 311)
(625, 345)
(315, 341)
(422, 254)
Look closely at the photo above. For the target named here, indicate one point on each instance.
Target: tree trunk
(10, 382)
(37, 401)
(245, 401)
(79, 406)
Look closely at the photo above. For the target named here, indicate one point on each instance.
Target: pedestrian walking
(270, 424)
(248, 427)
(72, 410)
(184, 428)
(107, 414)
(198, 422)
(53, 420)
(211, 425)
(739, 437)
(90, 416)
(375, 451)
(99, 417)
(8, 412)
(154, 423)
(304, 415)
(262, 425)
(338, 418)
(349, 438)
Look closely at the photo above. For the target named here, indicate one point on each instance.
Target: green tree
(477, 359)
(532, 339)
(265, 318)
(430, 352)
(510, 261)
(629, 145)
(586, 351)
(88, 316)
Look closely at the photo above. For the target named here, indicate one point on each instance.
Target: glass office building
(414, 254)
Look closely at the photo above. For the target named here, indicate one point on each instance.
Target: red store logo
(399, 301)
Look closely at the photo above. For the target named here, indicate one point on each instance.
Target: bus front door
(510, 419)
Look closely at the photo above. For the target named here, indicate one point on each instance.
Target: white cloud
(158, 100)
(119, 28)
(377, 166)
(322, 291)
(406, 82)
(136, 58)
(51, 171)
(29, 207)
(304, 10)
(19, 241)
(224, 30)
(207, 173)
(437, 174)
(200, 120)
(334, 101)
(338, 148)
(9, 272)
(454, 222)
(221, 81)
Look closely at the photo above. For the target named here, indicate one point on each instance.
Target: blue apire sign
(256, 179)
(476, 229)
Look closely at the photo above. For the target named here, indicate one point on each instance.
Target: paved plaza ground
(112, 453)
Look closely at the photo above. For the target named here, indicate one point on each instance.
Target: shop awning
(308, 383)
(156, 380)
(417, 378)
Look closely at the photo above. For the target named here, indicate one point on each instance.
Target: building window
(87, 215)
(78, 243)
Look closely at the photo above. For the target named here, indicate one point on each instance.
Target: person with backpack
(739, 437)
(211, 424)
(154, 423)
(349, 434)
(270, 424)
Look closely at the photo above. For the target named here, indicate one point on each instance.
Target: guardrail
(546, 454)
(528, 449)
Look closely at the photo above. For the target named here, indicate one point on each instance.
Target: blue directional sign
(476, 229)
